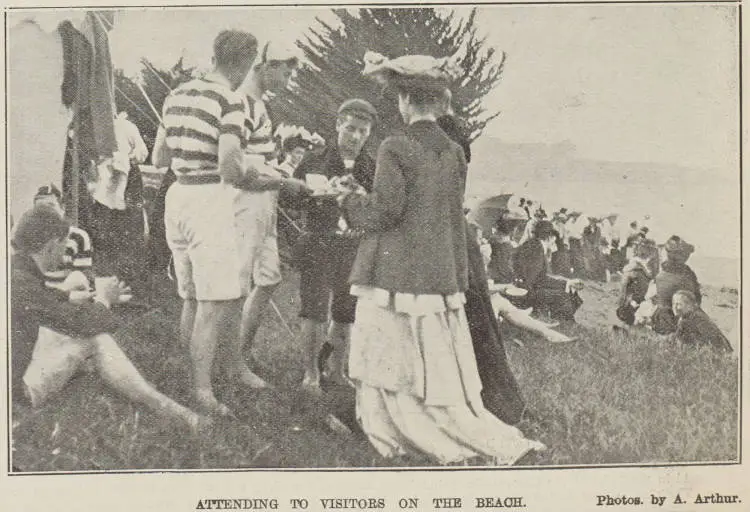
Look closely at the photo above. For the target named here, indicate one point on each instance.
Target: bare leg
(521, 319)
(119, 373)
(187, 321)
(215, 324)
(339, 335)
(252, 315)
(312, 341)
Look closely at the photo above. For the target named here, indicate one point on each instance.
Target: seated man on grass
(545, 293)
(694, 327)
(78, 333)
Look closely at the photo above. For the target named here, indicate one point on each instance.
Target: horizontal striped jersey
(78, 256)
(258, 128)
(196, 114)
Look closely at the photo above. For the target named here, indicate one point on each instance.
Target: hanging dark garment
(87, 89)
(159, 253)
(500, 393)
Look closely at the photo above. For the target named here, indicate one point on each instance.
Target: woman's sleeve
(384, 207)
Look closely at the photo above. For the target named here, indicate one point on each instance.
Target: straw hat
(412, 71)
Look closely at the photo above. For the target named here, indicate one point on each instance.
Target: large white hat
(419, 71)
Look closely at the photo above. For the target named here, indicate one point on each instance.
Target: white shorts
(200, 232)
(257, 239)
(55, 360)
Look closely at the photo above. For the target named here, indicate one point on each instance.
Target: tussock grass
(607, 399)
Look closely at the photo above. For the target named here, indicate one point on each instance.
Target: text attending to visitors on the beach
(435, 503)
(363, 503)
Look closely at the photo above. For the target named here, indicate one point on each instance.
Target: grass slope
(606, 399)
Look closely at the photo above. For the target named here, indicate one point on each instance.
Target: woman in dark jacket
(411, 358)
(675, 275)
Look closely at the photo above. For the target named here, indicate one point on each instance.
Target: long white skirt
(418, 387)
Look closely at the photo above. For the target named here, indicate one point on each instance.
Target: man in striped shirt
(255, 210)
(202, 139)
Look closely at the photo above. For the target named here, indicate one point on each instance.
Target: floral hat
(286, 132)
(417, 71)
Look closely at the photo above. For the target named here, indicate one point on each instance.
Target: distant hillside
(675, 197)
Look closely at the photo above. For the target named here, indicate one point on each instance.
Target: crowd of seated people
(547, 259)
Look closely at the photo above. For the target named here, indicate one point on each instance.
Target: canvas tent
(38, 121)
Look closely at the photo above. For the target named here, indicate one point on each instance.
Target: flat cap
(358, 106)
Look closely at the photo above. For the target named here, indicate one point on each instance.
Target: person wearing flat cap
(411, 359)
(675, 275)
(255, 211)
(325, 254)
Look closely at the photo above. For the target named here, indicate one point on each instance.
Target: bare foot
(311, 384)
(200, 425)
(208, 403)
(557, 337)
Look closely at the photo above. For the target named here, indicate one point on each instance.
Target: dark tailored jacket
(530, 269)
(696, 329)
(415, 232)
(33, 305)
(322, 215)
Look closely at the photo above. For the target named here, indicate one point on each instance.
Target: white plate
(125, 298)
(515, 292)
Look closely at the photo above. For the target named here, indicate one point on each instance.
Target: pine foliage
(335, 52)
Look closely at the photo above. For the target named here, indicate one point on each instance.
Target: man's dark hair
(234, 47)
(38, 226)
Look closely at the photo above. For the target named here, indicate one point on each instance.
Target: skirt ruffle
(418, 387)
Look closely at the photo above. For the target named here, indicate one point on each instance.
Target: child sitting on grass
(694, 327)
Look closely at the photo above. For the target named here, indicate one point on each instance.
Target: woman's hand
(573, 285)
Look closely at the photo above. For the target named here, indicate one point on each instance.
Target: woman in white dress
(412, 361)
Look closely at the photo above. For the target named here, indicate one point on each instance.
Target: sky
(640, 83)
(645, 83)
